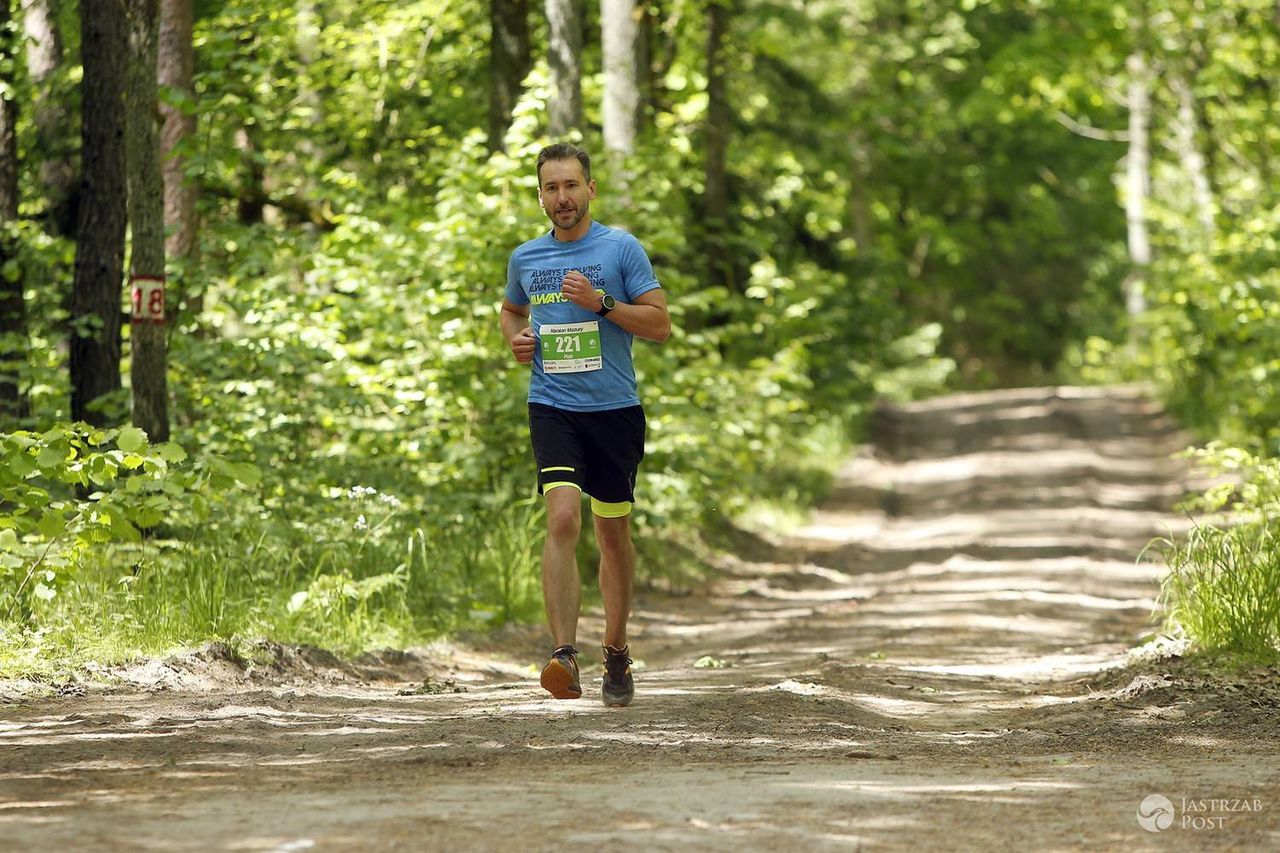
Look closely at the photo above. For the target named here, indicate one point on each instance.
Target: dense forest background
(846, 201)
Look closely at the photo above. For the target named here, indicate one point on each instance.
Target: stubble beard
(581, 210)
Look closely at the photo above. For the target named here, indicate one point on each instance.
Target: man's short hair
(564, 151)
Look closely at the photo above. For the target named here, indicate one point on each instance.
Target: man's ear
(592, 188)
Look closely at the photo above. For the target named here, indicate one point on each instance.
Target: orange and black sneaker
(618, 687)
(560, 675)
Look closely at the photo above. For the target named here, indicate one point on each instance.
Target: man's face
(564, 193)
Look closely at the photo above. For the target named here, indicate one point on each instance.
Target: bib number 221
(571, 347)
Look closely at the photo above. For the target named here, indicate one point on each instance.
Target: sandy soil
(939, 661)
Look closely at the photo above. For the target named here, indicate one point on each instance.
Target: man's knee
(564, 519)
(613, 536)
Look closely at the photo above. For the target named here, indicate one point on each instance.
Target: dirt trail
(933, 663)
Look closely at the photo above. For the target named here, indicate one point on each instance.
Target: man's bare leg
(561, 586)
(617, 573)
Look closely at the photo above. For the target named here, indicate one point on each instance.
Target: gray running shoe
(560, 675)
(618, 688)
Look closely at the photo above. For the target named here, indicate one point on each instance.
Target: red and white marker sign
(148, 298)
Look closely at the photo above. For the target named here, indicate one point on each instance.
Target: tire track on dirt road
(931, 663)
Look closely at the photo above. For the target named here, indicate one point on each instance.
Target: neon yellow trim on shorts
(546, 487)
(556, 468)
(606, 510)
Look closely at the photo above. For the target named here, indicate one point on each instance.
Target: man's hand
(523, 345)
(578, 290)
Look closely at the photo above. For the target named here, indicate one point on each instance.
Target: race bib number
(571, 347)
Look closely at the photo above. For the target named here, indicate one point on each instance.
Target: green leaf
(131, 439)
(149, 517)
(170, 452)
(21, 463)
(123, 528)
(8, 539)
(246, 472)
(50, 457)
(132, 460)
(52, 525)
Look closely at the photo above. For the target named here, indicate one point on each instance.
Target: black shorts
(597, 452)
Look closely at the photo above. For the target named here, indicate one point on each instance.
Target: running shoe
(560, 675)
(618, 687)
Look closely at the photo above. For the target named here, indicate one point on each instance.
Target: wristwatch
(607, 304)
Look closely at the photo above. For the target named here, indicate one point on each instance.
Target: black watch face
(608, 302)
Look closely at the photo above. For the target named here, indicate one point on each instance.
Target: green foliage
(1223, 586)
(68, 491)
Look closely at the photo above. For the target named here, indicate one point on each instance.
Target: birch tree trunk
(149, 364)
(1137, 183)
(13, 306)
(99, 265)
(508, 63)
(565, 60)
(1193, 160)
(620, 37)
(54, 131)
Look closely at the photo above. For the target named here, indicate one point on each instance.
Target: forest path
(931, 664)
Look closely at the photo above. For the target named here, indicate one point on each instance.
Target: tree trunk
(53, 122)
(509, 59)
(13, 306)
(716, 199)
(1137, 184)
(249, 207)
(1193, 161)
(149, 364)
(620, 37)
(565, 55)
(858, 206)
(176, 65)
(647, 104)
(95, 299)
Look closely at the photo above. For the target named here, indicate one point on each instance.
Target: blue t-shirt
(614, 262)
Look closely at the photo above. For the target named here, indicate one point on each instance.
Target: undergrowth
(1223, 587)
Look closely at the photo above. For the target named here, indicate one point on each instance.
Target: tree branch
(1089, 132)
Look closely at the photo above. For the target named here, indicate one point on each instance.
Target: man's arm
(647, 317)
(517, 331)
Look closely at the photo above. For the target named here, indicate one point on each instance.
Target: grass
(346, 587)
(1223, 587)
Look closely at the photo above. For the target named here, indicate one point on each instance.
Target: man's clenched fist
(523, 345)
(580, 291)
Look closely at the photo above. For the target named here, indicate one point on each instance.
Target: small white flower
(361, 524)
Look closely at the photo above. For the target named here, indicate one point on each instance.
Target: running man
(575, 298)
